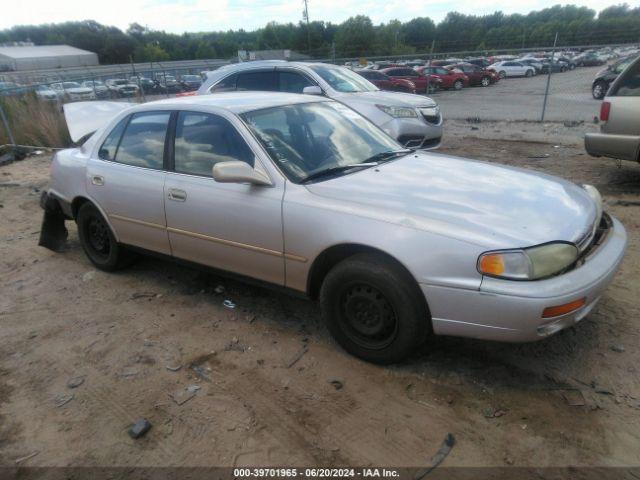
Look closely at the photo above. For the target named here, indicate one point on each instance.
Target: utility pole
(306, 17)
(546, 91)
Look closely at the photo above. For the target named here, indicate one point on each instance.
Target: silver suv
(414, 120)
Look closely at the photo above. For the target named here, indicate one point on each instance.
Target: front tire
(529, 73)
(502, 74)
(599, 90)
(98, 241)
(485, 82)
(457, 85)
(374, 309)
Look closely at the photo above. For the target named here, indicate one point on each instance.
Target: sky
(179, 16)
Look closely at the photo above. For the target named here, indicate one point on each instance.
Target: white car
(45, 92)
(73, 91)
(512, 69)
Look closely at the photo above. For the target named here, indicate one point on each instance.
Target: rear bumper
(511, 311)
(624, 147)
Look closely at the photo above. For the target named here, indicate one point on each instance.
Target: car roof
(239, 102)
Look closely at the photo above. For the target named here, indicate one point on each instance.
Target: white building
(39, 57)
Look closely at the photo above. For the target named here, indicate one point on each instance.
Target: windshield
(191, 78)
(120, 82)
(71, 85)
(343, 80)
(308, 138)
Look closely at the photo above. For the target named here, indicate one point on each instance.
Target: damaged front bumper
(53, 233)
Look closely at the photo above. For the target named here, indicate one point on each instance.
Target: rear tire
(502, 74)
(457, 85)
(374, 309)
(529, 73)
(599, 90)
(485, 82)
(98, 241)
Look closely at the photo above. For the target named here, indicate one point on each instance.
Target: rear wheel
(502, 74)
(485, 82)
(529, 73)
(457, 85)
(98, 241)
(374, 309)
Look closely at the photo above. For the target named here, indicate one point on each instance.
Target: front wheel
(457, 85)
(98, 241)
(502, 74)
(599, 90)
(485, 82)
(374, 309)
(529, 73)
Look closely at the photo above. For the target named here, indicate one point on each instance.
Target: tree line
(355, 37)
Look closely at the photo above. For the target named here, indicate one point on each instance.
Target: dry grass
(34, 122)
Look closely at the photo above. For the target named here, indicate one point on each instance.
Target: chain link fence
(32, 115)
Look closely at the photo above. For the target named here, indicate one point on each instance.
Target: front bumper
(511, 311)
(415, 132)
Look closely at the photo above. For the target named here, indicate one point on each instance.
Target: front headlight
(597, 199)
(398, 112)
(528, 263)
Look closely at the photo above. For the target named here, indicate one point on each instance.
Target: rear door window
(258, 81)
(108, 149)
(142, 144)
(227, 84)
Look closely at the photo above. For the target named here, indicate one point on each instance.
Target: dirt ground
(126, 334)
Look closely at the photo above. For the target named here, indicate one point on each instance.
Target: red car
(477, 75)
(450, 78)
(420, 80)
(384, 82)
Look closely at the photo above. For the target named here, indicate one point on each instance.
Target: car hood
(485, 204)
(386, 98)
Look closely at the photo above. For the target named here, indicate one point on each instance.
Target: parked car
(476, 75)
(302, 192)
(605, 77)
(146, 85)
(45, 92)
(121, 87)
(9, 89)
(619, 135)
(423, 83)
(73, 91)
(511, 68)
(98, 87)
(384, 82)
(450, 78)
(168, 83)
(414, 120)
(190, 82)
(557, 66)
(532, 62)
(571, 64)
(588, 60)
(480, 62)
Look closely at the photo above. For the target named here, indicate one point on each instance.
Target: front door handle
(97, 180)
(177, 195)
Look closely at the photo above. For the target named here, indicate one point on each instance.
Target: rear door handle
(177, 195)
(97, 180)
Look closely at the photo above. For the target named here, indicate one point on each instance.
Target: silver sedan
(304, 193)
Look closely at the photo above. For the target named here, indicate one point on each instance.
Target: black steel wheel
(374, 309)
(98, 241)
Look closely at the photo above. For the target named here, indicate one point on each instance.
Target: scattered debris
(337, 384)
(601, 389)
(88, 276)
(618, 348)
(75, 382)
(173, 369)
(63, 399)
(184, 394)
(542, 155)
(27, 457)
(474, 120)
(128, 372)
(444, 450)
(202, 372)
(137, 295)
(627, 203)
(298, 356)
(573, 397)
(229, 304)
(33, 335)
(493, 413)
(139, 428)
(219, 289)
(573, 123)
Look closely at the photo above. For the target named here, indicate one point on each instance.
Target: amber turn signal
(492, 264)
(563, 309)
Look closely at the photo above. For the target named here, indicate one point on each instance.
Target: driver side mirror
(238, 172)
(312, 90)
